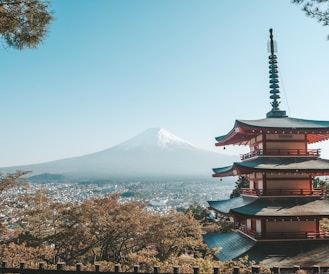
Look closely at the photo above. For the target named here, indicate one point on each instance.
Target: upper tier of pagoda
(244, 130)
(276, 121)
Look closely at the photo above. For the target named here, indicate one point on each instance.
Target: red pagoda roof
(244, 130)
(316, 166)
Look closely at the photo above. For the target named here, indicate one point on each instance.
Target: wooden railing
(281, 152)
(234, 269)
(250, 232)
(284, 235)
(297, 235)
(291, 235)
(61, 270)
(282, 192)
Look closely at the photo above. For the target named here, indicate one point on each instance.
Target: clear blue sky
(108, 70)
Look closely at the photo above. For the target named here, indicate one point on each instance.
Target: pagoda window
(258, 226)
(252, 181)
(249, 223)
(255, 185)
(259, 138)
(256, 140)
(256, 143)
(259, 175)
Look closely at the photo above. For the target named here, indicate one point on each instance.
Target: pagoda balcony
(250, 232)
(292, 235)
(282, 192)
(283, 235)
(281, 152)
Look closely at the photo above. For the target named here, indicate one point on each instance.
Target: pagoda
(278, 217)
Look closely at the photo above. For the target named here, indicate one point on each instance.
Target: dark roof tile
(231, 244)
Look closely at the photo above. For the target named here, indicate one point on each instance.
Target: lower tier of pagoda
(279, 253)
(284, 235)
(276, 218)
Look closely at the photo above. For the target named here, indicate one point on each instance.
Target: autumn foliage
(104, 231)
(96, 230)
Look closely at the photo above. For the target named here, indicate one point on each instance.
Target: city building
(278, 217)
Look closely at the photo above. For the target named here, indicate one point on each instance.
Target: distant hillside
(48, 178)
(155, 152)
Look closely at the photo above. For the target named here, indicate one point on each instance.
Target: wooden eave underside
(313, 166)
(283, 208)
(242, 134)
(246, 171)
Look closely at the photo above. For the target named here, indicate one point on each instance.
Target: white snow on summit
(156, 137)
(166, 138)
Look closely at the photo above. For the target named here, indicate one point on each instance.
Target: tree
(176, 234)
(323, 184)
(100, 229)
(317, 9)
(8, 181)
(242, 182)
(35, 220)
(199, 213)
(24, 23)
(118, 228)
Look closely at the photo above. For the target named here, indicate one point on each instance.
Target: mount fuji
(153, 153)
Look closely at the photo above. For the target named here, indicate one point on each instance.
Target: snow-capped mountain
(155, 137)
(154, 152)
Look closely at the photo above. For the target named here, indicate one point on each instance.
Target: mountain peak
(154, 152)
(156, 137)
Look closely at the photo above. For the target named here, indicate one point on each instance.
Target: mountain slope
(155, 152)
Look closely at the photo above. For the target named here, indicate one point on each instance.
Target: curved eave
(268, 207)
(233, 170)
(232, 245)
(244, 130)
(286, 254)
(237, 136)
(224, 171)
(225, 206)
(315, 166)
(286, 207)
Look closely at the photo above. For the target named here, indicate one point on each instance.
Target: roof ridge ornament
(274, 81)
